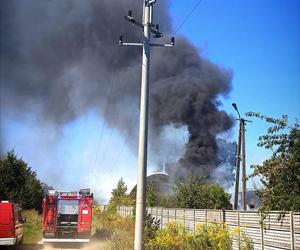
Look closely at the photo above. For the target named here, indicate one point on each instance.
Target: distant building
(252, 200)
(160, 182)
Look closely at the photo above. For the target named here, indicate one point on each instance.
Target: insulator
(173, 41)
(121, 40)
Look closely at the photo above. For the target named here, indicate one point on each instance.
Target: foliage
(18, 182)
(280, 175)
(246, 242)
(119, 196)
(167, 201)
(32, 227)
(173, 236)
(122, 231)
(192, 192)
(152, 196)
(150, 229)
(215, 236)
(120, 190)
(153, 199)
(96, 219)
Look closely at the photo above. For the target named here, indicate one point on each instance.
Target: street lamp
(240, 147)
(236, 108)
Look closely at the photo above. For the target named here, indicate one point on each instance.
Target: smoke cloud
(60, 59)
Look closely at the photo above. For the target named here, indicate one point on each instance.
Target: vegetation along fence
(271, 234)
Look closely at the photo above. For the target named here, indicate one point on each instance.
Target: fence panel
(297, 231)
(271, 234)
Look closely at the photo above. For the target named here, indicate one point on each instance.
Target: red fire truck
(67, 216)
(11, 224)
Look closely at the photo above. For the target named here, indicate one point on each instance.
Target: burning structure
(160, 183)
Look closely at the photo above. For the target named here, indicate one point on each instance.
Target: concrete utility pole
(244, 176)
(241, 149)
(237, 170)
(148, 28)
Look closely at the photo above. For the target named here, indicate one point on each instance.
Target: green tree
(18, 183)
(119, 196)
(280, 174)
(151, 197)
(193, 192)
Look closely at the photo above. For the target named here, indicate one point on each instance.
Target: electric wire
(103, 125)
(106, 175)
(117, 114)
(188, 16)
(111, 133)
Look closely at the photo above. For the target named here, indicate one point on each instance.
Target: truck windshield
(68, 206)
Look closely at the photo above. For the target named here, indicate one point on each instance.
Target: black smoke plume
(60, 59)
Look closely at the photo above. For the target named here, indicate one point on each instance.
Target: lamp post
(241, 156)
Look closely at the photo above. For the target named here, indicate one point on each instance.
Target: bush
(122, 233)
(215, 236)
(173, 236)
(32, 227)
(193, 192)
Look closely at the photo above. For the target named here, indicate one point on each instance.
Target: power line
(103, 124)
(121, 152)
(111, 132)
(188, 16)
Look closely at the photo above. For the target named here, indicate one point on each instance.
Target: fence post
(239, 226)
(205, 218)
(156, 215)
(194, 220)
(224, 215)
(292, 230)
(262, 232)
(184, 218)
(161, 218)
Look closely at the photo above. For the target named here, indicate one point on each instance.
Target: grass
(32, 227)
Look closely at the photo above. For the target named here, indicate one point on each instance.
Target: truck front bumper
(8, 241)
(58, 240)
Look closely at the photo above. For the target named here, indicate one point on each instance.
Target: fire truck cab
(11, 224)
(67, 216)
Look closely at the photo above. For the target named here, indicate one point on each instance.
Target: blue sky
(258, 40)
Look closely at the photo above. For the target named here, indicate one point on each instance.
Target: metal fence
(266, 234)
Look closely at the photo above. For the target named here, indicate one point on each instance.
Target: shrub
(151, 228)
(122, 237)
(173, 236)
(32, 227)
(193, 192)
(214, 236)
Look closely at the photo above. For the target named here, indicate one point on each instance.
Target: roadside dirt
(93, 245)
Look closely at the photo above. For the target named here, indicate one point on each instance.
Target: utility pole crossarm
(148, 29)
(155, 31)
